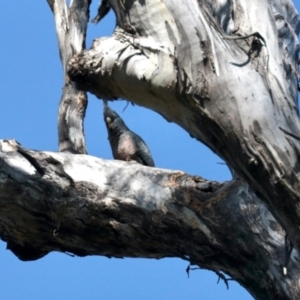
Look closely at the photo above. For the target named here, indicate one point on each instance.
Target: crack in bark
(170, 217)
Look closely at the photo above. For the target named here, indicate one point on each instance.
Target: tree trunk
(215, 69)
(88, 206)
(229, 80)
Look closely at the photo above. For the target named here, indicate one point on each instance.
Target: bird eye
(108, 120)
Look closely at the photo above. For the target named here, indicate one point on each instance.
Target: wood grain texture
(225, 71)
(89, 206)
(71, 25)
(219, 72)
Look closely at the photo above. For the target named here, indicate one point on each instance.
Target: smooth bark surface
(215, 69)
(71, 25)
(228, 79)
(88, 206)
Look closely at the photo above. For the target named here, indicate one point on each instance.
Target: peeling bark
(215, 69)
(89, 206)
(224, 76)
(71, 25)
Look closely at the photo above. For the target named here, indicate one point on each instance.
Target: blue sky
(31, 82)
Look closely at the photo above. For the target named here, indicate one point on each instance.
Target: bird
(125, 144)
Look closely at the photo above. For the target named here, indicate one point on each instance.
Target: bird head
(113, 121)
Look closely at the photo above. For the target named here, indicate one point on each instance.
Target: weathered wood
(89, 206)
(71, 25)
(219, 72)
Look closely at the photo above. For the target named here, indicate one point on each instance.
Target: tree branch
(188, 74)
(88, 206)
(71, 25)
(195, 76)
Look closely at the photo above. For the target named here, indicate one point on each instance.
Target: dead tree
(228, 79)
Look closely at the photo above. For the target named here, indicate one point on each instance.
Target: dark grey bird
(125, 144)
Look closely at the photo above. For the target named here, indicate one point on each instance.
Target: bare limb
(84, 205)
(186, 74)
(71, 25)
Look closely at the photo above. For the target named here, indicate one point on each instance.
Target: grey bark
(88, 206)
(229, 80)
(71, 25)
(222, 74)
